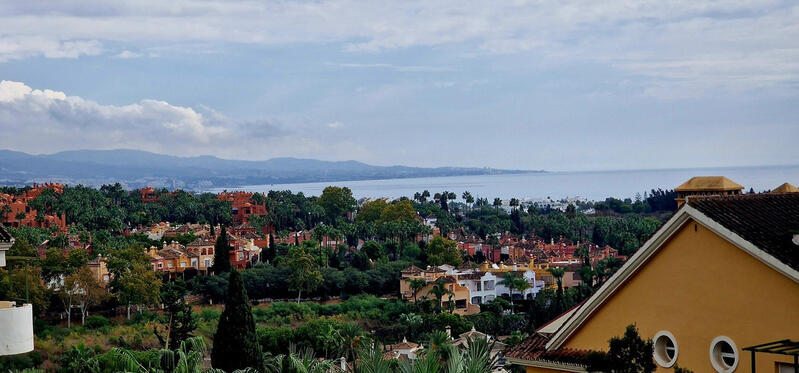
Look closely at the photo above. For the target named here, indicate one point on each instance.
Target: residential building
(99, 268)
(716, 288)
(16, 321)
(459, 299)
(706, 186)
(203, 248)
(15, 210)
(243, 205)
(402, 351)
(172, 258)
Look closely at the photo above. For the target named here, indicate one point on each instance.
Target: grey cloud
(41, 120)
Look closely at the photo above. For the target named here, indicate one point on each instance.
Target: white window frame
(715, 355)
(659, 350)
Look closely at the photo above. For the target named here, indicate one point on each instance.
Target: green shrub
(143, 317)
(19, 362)
(96, 322)
(210, 314)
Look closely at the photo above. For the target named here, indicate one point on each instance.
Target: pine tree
(179, 322)
(222, 253)
(235, 342)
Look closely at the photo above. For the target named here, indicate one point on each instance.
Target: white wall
(16, 330)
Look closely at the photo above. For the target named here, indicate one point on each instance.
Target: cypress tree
(235, 343)
(222, 254)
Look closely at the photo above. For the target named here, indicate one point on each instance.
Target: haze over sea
(593, 185)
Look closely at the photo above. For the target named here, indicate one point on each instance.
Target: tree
(372, 249)
(180, 322)
(371, 211)
(83, 290)
(497, 204)
(25, 284)
(557, 273)
(627, 354)
(468, 198)
(137, 285)
(416, 284)
(509, 280)
(235, 343)
(305, 274)
(400, 211)
(222, 253)
(439, 290)
(337, 201)
(443, 251)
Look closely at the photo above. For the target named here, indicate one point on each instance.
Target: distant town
(337, 283)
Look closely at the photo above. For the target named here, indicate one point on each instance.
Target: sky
(555, 85)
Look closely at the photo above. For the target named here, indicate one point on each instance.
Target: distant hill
(135, 168)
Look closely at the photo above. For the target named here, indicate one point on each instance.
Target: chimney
(449, 332)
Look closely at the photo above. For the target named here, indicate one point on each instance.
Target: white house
(535, 287)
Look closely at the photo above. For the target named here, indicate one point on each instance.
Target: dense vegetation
(360, 285)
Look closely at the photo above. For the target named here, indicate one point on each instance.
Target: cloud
(46, 121)
(335, 124)
(399, 68)
(678, 45)
(126, 54)
(21, 47)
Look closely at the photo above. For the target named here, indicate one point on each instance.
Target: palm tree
(468, 198)
(371, 360)
(441, 345)
(520, 284)
(497, 203)
(476, 358)
(439, 290)
(514, 202)
(509, 280)
(557, 273)
(301, 362)
(416, 284)
(352, 340)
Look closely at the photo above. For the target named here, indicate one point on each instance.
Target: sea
(590, 185)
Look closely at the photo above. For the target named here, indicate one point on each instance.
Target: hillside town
(532, 282)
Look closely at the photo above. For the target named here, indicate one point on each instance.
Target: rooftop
(785, 188)
(708, 183)
(768, 221)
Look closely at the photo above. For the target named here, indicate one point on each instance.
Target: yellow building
(721, 275)
(459, 295)
(706, 186)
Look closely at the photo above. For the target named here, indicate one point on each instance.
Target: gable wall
(700, 286)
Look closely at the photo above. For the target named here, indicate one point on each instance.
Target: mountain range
(135, 168)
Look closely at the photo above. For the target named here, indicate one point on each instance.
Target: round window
(723, 355)
(665, 351)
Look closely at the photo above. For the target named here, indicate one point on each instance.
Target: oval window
(723, 354)
(665, 349)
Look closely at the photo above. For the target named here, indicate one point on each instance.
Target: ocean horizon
(592, 185)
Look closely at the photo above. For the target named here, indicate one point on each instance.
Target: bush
(96, 322)
(20, 362)
(210, 314)
(143, 317)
